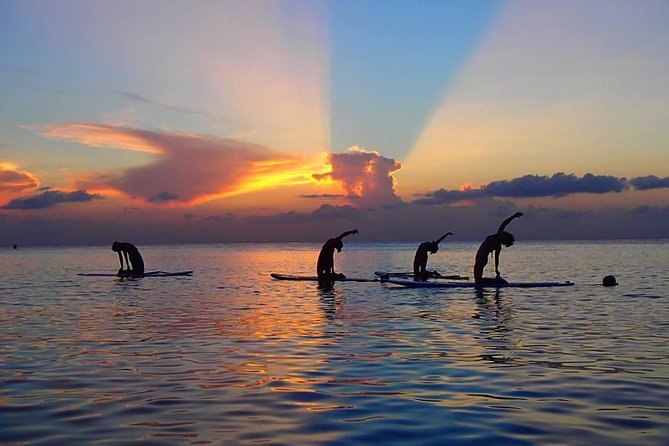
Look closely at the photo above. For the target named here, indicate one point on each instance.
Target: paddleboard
(410, 275)
(278, 276)
(147, 274)
(414, 284)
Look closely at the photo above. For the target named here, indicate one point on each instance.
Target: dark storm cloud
(51, 198)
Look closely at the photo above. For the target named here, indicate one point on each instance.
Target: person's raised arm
(508, 220)
(443, 237)
(344, 234)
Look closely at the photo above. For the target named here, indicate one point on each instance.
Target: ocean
(231, 356)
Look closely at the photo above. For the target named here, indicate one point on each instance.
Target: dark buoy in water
(609, 281)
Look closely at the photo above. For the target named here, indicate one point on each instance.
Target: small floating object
(609, 281)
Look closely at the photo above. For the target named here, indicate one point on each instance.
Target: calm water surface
(230, 356)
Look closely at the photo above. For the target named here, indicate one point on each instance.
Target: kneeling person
(420, 272)
(133, 259)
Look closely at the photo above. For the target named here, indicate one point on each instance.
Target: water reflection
(495, 316)
(331, 300)
(492, 308)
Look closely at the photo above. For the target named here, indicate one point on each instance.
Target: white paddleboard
(278, 276)
(414, 284)
(407, 275)
(147, 274)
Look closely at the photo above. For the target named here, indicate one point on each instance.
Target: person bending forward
(133, 259)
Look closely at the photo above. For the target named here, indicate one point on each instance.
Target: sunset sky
(221, 121)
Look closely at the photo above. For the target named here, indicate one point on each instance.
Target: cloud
(226, 218)
(15, 183)
(329, 212)
(51, 198)
(530, 186)
(652, 212)
(163, 197)
(412, 223)
(649, 182)
(145, 100)
(365, 176)
(325, 212)
(188, 168)
(324, 196)
(284, 217)
(14, 180)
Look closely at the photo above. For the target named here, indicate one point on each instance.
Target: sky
(268, 121)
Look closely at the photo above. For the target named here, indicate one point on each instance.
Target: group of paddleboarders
(134, 264)
(491, 245)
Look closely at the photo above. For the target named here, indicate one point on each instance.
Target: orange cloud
(15, 182)
(188, 168)
(100, 135)
(365, 176)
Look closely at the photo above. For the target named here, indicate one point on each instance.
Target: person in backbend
(493, 243)
(133, 259)
(325, 265)
(420, 272)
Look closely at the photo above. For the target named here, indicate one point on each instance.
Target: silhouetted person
(420, 272)
(133, 259)
(325, 265)
(15, 246)
(493, 243)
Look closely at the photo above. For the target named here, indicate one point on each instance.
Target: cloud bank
(534, 186)
(365, 176)
(409, 223)
(188, 168)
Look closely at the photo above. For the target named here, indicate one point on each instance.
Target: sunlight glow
(265, 176)
(538, 94)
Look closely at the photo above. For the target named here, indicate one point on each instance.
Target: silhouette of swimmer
(132, 257)
(493, 243)
(420, 272)
(325, 265)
